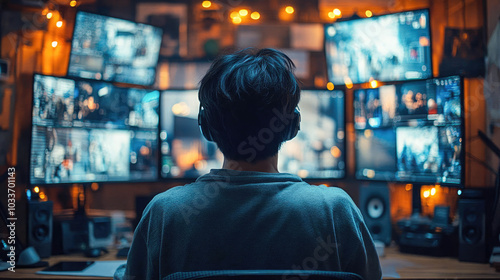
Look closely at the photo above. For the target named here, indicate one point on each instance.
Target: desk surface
(408, 266)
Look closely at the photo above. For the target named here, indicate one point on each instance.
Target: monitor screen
(410, 132)
(317, 152)
(111, 49)
(185, 153)
(91, 131)
(392, 47)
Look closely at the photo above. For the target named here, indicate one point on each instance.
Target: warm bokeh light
(181, 109)
(72, 3)
(200, 165)
(368, 133)
(348, 82)
(337, 12)
(289, 10)
(424, 41)
(335, 151)
(236, 20)
(368, 13)
(408, 187)
(91, 104)
(433, 191)
(144, 151)
(49, 15)
(331, 15)
(243, 12)
(234, 14)
(59, 23)
(303, 173)
(373, 83)
(330, 86)
(36, 189)
(206, 4)
(255, 15)
(370, 173)
(54, 44)
(94, 186)
(426, 194)
(42, 196)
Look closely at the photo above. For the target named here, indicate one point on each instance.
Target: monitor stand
(80, 213)
(416, 220)
(81, 232)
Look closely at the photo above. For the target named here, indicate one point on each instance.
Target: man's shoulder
(323, 192)
(173, 193)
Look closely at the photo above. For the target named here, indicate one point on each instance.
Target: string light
(373, 83)
(36, 189)
(72, 3)
(206, 4)
(243, 12)
(42, 196)
(331, 15)
(426, 194)
(59, 23)
(234, 15)
(337, 12)
(368, 13)
(49, 15)
(330, 86)
(54, 44)
(348, 82)
(236, 20)
(433, 191)
(255, 15)
(289, 10)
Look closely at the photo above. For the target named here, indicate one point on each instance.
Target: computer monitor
(411, 132)
(91, 131)
(111, 49)
(317, 152)
(185, 153)
(393, 47)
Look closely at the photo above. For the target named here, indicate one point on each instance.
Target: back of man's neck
(269, 165)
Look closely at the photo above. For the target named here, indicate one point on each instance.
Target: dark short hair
(246, 96)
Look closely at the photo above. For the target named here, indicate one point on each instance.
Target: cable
(482, 162)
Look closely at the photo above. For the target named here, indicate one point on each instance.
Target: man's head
(248, 103)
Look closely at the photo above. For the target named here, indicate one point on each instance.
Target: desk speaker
(375, 207)
(39, 227)
(472, 230)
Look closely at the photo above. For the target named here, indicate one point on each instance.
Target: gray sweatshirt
(240, 220)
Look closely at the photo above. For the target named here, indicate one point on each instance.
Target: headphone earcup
(202, 123)
(294, 127)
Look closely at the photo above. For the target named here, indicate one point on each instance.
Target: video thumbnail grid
(91, 131)
(392, 47)
(112, 49)
(410, 132)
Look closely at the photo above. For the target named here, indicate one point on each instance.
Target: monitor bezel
(463, 148)
(307, 179)
(431, 66)
(112, 81)
(45, 184)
